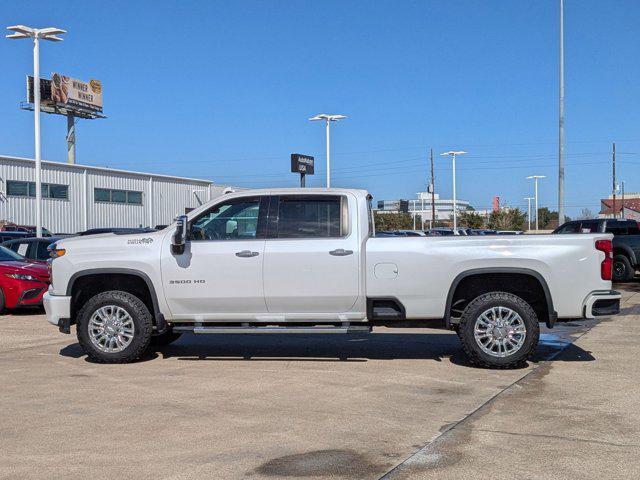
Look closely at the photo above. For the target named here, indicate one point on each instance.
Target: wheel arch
(626, 250)
(551, 317)
(119, 273)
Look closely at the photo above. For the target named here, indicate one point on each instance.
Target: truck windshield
(7, 255)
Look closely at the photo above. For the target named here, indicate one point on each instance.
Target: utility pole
(433, 194)
(561, 124)
(614, 180)
(622, 216)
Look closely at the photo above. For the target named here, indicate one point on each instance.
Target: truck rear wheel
(499, 330)
(114, 327)
(623, 271)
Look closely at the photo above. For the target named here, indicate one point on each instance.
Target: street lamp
(37, 34)
(528, 199)
(535, 181)
(328, 119)
(453, 154)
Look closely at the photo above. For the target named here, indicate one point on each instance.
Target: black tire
(164, 339)
(1, 301)
(623, 271)
(480, 305)
(142, 321)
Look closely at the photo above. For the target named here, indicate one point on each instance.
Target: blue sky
(223, 90)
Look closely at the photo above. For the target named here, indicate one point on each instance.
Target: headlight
(55, 252)
(21, 276)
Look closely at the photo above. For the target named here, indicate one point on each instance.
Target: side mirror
(180, 235)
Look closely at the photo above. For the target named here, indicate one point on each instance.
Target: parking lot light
(37, 34)
(453, 155)
(328, 119)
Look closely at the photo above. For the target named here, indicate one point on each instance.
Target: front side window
(311, 216)
(236, 219)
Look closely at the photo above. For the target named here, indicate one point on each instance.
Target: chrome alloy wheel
(500, 332)
(111, 329)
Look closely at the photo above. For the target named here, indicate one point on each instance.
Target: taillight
(606, 266)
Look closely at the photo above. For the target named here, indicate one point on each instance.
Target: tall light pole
(528, 199)
(453, 155)
(37, 34)
(328, 119)
(561, 123)
(535, 182)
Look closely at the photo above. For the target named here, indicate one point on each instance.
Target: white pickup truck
(308, 261)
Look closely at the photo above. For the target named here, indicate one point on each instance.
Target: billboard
(70, 92)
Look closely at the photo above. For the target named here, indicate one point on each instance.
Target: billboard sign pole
(302, 164)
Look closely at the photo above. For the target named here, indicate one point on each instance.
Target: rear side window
(617, 228)
(312, 216)
(633, 228)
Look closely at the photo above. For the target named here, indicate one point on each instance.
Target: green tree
(507, 219)
(395, 221)
(545, 217)
(470, 219)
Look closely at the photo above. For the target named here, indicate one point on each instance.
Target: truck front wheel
(114, 327)
(499, 330)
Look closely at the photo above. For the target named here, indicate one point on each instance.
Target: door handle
(340, 252)
(247, 254)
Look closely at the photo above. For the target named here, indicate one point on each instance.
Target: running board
(272, 329)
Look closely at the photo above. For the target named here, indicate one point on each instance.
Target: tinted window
(134, 197)
(28, 189)
(102, 195)
(118, 196)
(311, 216)
(233, 220)
(42, 253)
(573, 227)
(616, 227)
(7, 255)
(590, 226)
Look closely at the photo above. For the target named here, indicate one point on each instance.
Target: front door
(219, 276)
(311, 261)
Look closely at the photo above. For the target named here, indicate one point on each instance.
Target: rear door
(311, 261)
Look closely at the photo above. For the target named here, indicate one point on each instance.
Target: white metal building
(79, 197)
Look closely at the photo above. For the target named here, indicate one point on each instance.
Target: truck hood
(104, 242)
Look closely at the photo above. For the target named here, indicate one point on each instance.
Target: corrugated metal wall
(162, 197)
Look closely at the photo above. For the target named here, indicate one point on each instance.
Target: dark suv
(626, 242)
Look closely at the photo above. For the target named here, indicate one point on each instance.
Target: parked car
(28, 229)
(440, 231)
(31, 248)
(22, 283)
(117, 231)
(509, 232)
(304, 260)
(483, 231)
(626, 242)
(6, 236)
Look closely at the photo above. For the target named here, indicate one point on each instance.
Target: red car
(22, 283)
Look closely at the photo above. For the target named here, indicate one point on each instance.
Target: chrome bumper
(57, 308)
(602, 304)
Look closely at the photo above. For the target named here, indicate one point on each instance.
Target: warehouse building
(80, 197)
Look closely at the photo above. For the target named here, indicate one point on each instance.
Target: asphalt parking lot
(396, 404)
